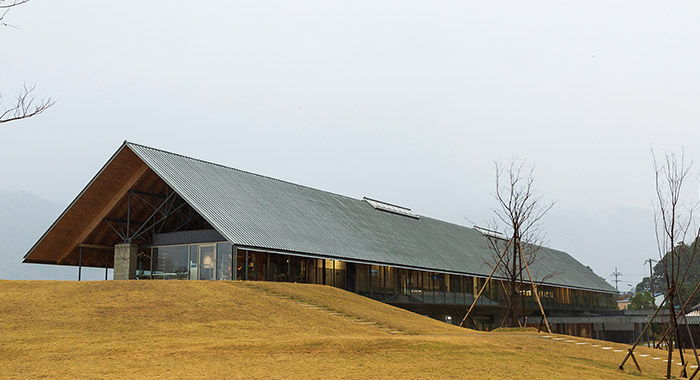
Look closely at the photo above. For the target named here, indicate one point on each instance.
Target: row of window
(216, 261)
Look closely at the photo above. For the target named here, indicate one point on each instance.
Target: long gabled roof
(252, 210)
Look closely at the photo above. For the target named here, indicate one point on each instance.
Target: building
(623, 304)
(151, 214)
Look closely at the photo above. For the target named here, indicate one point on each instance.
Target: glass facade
(218, 261)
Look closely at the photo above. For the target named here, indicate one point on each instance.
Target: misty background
(407, 102)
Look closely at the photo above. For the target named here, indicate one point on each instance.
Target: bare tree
(520, 208)
(26, 104)
(673, 218)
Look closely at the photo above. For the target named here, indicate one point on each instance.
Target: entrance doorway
(202, 262)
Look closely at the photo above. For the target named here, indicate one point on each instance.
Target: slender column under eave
(106, 264)
(246, 266)
(80, 261)
(370, 280)
(384, 274)
(234, 263)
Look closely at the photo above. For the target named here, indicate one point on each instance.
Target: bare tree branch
(26, 105)
(5, 8)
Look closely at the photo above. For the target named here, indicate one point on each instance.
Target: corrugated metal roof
(257, 211)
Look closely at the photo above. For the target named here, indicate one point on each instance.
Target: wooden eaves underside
(83, 224)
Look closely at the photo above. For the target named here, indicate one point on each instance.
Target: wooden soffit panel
(87, 211)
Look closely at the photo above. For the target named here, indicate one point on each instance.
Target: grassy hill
(201, 329)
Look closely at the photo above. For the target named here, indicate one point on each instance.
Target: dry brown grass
(200, 329)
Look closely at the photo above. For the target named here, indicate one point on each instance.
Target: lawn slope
(202, 329)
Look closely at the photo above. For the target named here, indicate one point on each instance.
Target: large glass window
(240, 265)
(251, 265)
(297, 268)
(312, 275)
(143, 263)
(329, 272)
(416, 290)
(279, 268)
(224, 263)
(217, 261)
(260, 266)
(441, 287)
(194, 262)
(207, 262)
(170, 262)
(377, 281)
(362, 284)
(455, 294)
(339, 274)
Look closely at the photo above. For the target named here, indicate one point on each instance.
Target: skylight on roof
(490, 233)
(388, 207)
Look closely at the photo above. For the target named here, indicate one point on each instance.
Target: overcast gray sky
(404, 101)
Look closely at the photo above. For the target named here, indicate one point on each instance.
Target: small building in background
(623, 303)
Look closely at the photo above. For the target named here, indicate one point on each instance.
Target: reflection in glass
(240, 265)
(194, 260)
(170, 262)
(207, 262)
(224, 265)
(339, 272)
(143, 263)
(362, 281)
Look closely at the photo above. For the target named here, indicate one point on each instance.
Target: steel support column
(246, 265)
(80, 262)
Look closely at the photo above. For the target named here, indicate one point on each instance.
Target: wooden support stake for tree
(505, 317)
(635, 361)
(473, 321)
(690, 336)
(622, 365)
(505, 250)
(668, 329)
(679, 346)
(683, 370)
(534, 287)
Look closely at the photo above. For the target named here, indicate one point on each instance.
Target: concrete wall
(125, 261)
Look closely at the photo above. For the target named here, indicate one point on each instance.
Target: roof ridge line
(127, 143)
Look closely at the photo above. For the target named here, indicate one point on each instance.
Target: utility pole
(651, 277)
(616, 274)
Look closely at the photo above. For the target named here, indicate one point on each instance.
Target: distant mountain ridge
(24, 218)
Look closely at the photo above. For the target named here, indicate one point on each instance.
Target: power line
(616, 274)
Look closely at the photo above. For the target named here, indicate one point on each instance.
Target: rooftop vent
(388, 207)
(490, 233)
